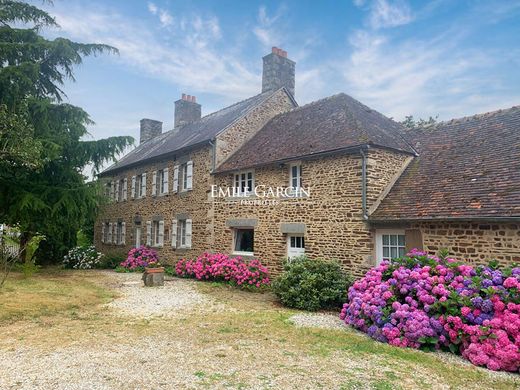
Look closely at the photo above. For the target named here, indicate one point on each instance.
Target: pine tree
(42, 151)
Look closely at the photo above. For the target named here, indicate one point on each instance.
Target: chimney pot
(183, 96)
(278, 71)
(194, 99)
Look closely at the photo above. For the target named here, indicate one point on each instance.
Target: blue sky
(445, 58)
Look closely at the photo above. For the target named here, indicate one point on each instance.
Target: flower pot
(153, 277)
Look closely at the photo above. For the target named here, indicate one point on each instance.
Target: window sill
(238, 253)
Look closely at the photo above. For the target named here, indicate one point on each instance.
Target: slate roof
(334, 123)
(467, 168)
(189, 135)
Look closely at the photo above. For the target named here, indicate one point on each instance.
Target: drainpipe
(214, 157)
(363, 151)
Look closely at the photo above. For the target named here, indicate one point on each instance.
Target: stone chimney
(150, 129)
(278, 71)
(187, 110)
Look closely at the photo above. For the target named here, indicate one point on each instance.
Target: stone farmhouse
(355, 185)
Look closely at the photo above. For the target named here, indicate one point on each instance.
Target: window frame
(298, 166)
(240, 182)
(290, 238)
(181, 233)
(138, 186)
(380, 246)
(155, 234)
(235, 238)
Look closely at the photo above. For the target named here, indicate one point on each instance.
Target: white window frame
(158, 233)
(379, 242)
(185, 176)
(295, 236)
(242, 253)
(241, 179)
(298, 167)
(162, 181)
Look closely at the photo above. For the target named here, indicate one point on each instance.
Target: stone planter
(153, 277)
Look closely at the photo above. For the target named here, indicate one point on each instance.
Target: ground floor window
(138, 236)
(295, 246)
(244, 241)
(390, 244)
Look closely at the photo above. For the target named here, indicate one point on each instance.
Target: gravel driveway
(187, 336)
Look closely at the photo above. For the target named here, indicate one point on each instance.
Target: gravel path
(318, 320)
(166, 301)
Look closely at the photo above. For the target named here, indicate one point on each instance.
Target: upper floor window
(160, 182)
(122, 189)
(183, 177)
(140, 183)
(244, 182)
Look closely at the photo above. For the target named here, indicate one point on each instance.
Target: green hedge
(312, 284)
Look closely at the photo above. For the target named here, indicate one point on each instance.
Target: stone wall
(240, 132)
(332, 214)
(476, 243)
(194, 203)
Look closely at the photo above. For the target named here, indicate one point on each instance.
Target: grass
(49, 293)
(251, 343)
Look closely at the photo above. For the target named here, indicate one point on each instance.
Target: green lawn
(247, 341)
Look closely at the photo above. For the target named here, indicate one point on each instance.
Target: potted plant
(154, 267)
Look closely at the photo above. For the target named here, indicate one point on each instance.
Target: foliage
(409, 121)
(111, 261)
(141, 257)
(10, 248)
(311, 284)
(221, 267)
(169, 270)
(42, 140)
(82, 258)
(428, 302)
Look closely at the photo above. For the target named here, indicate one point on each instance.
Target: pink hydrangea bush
(428, 302)
(221, 267)
(141, 257)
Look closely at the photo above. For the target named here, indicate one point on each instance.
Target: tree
(43, 154)
(409, 121)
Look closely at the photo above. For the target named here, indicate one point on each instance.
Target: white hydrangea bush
(82, 258)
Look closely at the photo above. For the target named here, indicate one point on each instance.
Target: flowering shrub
(427, 302)
(221, 267)
(82, 258)
(141, 257)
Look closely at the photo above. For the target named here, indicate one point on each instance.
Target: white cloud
(152, 8)
(189, 58)
(266, 31)
(420, 77)
(386, 14)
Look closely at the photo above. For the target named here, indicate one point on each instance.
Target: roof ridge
(487, 114)
(267, 93)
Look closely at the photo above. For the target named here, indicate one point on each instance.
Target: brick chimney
(187, 110)
(278, 71)
(149, 129)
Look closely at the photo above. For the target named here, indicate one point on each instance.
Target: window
(390, 244)
(296, 176)
(141, 185)
(181, 233)
(244, 182)
(244, 241)
(155, 233)
(119, 231)
(108, 188)
(295, 246)
(163, 181)
(183, 177)
(122, 190)
(105, 232)
(138, 236)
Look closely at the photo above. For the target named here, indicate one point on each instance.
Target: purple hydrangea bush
(141, 257)
(427, 302)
